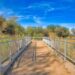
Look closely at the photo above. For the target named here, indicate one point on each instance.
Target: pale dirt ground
(45, 62)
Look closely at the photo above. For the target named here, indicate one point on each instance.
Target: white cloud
(55, 8)
(39, 5)
(69, 25)
(6, 12)
(21, 17)
(1, 12)
(51, 9)
(46, 7)
(37, 20)
(48, 10)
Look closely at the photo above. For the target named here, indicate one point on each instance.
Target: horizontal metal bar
(68, 58)
(9, 66)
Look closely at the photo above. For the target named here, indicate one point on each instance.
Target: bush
(62, 32)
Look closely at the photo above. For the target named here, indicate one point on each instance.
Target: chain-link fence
(65, 47)
(10, 48)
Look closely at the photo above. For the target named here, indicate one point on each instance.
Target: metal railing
(9, 51)
(65, 47)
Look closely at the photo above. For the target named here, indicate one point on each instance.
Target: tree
(62, 32)
(38, 29)
(2, 20)
(73, 31)
(13, 28)
(45, 32)
(19, 30)
(10, 29)
(30, 31)
(51, 28)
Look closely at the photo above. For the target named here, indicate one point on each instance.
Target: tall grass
(7, 44)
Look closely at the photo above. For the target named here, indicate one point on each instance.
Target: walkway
(41, 60)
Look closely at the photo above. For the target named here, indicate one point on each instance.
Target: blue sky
(40, 12)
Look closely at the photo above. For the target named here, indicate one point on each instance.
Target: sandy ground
(39, 59)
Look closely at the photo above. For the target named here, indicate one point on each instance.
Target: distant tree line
(48, 31)
(11, 27)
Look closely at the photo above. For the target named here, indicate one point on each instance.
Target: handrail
(21, 46)
(57, 47)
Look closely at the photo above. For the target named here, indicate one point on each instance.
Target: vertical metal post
(0, 65)
(10, 53)
(25, 42)
(65, 48)
(21, 43)
(55, 43)
(1, 62)
(35, 52)
(56, 46)
(59, 43)
(18, 44)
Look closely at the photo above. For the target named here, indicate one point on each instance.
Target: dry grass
(70, 48)
(6, 45)
(46, 62)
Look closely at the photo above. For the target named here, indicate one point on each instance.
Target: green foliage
(62, 32)
(19, 30)
(73, 31)
(2, 20)
(30, 31)
(10, 29)
(36, 31)
(45, 33)
(11, 26)
(51, 28)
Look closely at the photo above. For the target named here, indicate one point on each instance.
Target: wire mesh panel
(10, 49)
(66, 47)
(62, 45)
(4, 50)
(71, 50)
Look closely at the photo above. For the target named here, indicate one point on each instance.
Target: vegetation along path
(39, 59)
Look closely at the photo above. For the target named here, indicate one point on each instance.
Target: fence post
(0, 66)
(59, 44)
(10, 53)
(65, 49)
(1, 63)
(55, 46)
(34, 52)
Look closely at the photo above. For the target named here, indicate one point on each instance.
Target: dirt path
(45, 62)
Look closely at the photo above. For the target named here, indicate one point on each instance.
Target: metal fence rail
(65, 47)
(9, 51)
